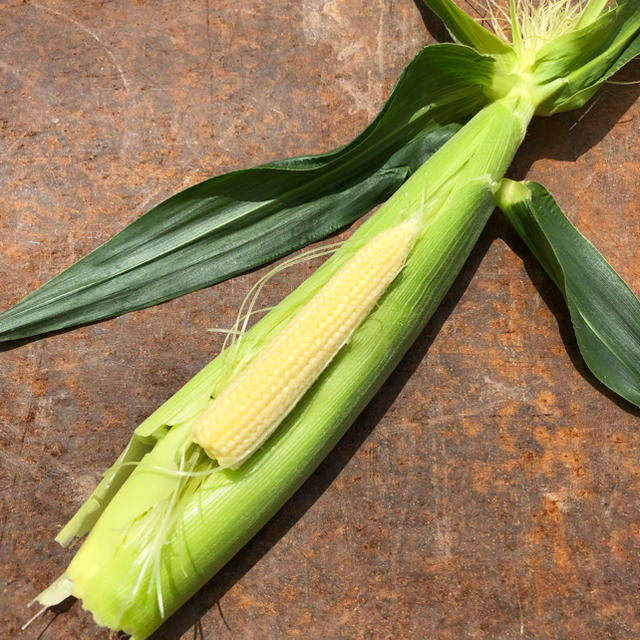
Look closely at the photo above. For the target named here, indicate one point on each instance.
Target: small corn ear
(247, 411)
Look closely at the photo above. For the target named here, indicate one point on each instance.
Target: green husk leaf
(592, 12)
(605, 313)
(580, 98)
(235, 222)
(465, 30)
(577, 63)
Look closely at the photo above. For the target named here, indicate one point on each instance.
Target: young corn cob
(247, 412)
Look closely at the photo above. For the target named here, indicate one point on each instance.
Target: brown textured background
(492, 488)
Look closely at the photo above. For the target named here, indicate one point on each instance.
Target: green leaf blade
(605, 313)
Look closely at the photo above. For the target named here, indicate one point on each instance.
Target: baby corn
(247, 412)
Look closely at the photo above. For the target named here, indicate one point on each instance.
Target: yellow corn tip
(249, 409)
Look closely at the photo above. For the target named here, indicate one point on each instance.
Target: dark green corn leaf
(604, 311)
(235, 222)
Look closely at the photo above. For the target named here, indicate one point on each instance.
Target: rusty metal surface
(492, 488)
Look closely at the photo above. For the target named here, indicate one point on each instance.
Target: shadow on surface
(8, 345)
(435, 27)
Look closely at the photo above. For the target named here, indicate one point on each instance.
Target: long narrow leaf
(238, 221)
(605, 313)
